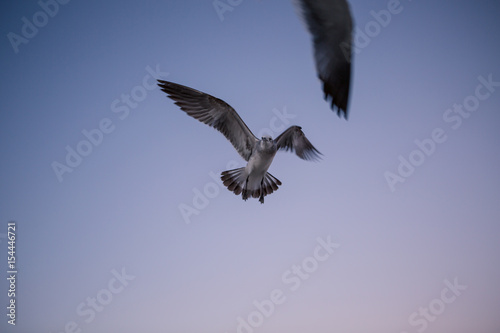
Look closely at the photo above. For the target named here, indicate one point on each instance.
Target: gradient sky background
(119, 209)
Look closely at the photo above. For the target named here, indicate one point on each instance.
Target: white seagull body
(253, 180)
(330, 24)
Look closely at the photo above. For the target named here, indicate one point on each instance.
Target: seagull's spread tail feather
(234, 180)
(238, 182)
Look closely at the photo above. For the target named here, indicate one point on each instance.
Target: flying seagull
(253, 180)
(330, 24)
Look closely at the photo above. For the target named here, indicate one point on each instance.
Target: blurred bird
(330, 24)
(253, 180)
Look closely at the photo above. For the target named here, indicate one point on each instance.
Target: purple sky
(394, 230)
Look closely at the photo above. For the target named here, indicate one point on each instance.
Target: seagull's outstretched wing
(330, 24)
(215, 113)
(294, 139)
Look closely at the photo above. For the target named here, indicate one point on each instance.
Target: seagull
(330, 24)
(253, 180)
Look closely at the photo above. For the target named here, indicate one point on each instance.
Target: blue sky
(105, 246)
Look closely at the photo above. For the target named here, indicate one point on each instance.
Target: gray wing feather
(215, 113)
(293, 139)
(330, 24)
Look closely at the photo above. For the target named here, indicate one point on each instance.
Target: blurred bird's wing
(294, 139)
(215, 113)
(330, 24)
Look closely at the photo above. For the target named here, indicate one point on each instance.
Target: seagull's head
(267, 138)
(266, 142)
